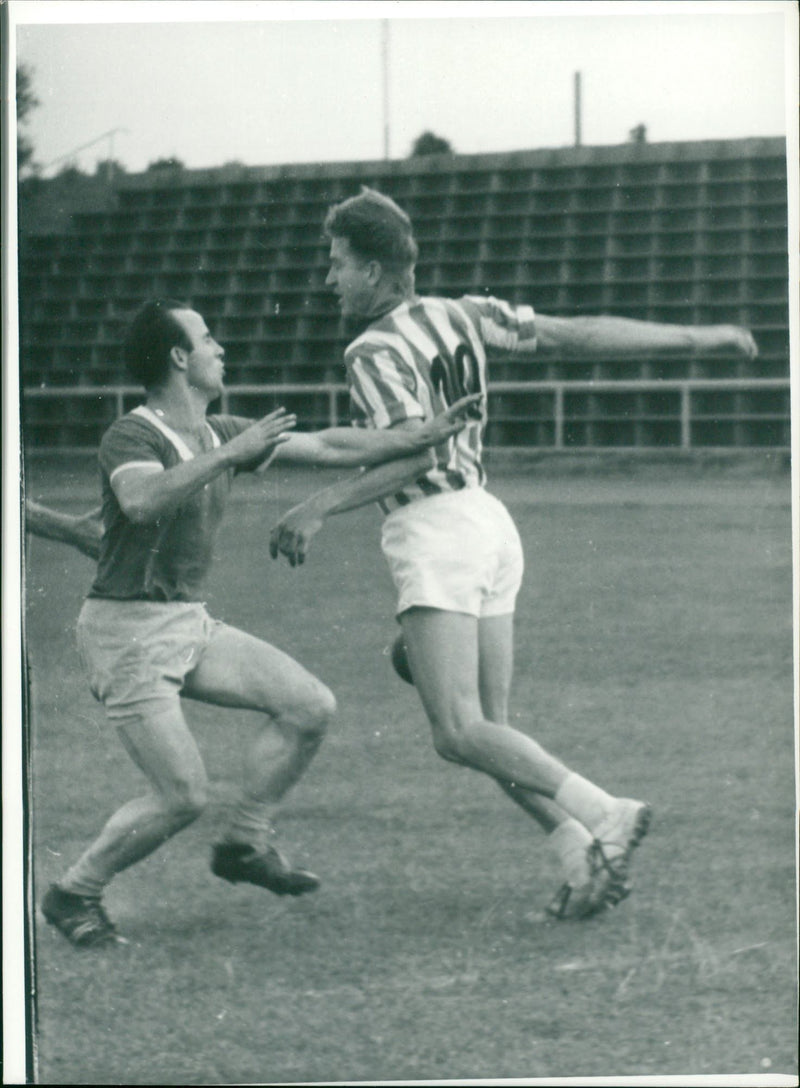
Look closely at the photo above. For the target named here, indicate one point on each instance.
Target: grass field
(654, 653)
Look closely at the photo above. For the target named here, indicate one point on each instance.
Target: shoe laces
(93, 918)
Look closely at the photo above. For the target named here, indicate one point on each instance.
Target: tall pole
(83, 147)
(385, 74)
(577, 109)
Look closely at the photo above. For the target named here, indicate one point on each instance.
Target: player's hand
(88, 532)
(468, 407)
(728, 338)
(742, 341)
(452, 420)
(293, 534)
(261, 438)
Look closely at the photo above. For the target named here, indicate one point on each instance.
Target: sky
(272, 82)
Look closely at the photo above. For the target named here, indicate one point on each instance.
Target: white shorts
(140, 652)
(459, 551)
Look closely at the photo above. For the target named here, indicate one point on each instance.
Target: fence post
(686, 422)
(559, 417)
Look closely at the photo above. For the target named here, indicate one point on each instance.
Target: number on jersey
(457, 376)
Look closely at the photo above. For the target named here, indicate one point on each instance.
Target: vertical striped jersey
(421, 357)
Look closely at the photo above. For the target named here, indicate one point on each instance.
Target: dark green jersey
(168, 559)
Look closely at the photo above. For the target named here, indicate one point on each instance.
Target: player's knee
(313, 715)
(448, 744)
(326, 704)
(446, 748)
(323, 709)
(453, 741)
(187, 800)
(452, 714)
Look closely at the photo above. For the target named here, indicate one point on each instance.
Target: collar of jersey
(174, 439)
(361, 324)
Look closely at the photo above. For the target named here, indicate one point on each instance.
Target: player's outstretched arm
(348, 447)
(293, 534)
(624, 336)
(146, 493)
(82, 531)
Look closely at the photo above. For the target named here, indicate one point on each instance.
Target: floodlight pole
(577, 109)
(83, 147)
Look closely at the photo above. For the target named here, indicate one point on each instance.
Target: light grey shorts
(138, 652)
(459, 551)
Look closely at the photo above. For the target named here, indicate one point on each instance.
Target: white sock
(84, 879)
(583, 800)
(251, 824)
(570, 841)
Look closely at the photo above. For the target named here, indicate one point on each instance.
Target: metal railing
(684, 386)
(333, 391)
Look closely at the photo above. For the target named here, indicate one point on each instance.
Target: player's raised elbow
(139, 515)
(137, 492)
(138, 508)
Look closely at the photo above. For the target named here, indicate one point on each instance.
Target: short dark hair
(376, 229)
(153, 332)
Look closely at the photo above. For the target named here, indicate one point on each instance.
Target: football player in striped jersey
(452, 547)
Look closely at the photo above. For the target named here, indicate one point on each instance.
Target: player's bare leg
(164, 749)
(160, 743)
(495, 668)
(444, 657)
(567, 837)
(443, 651)
(239, 670)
